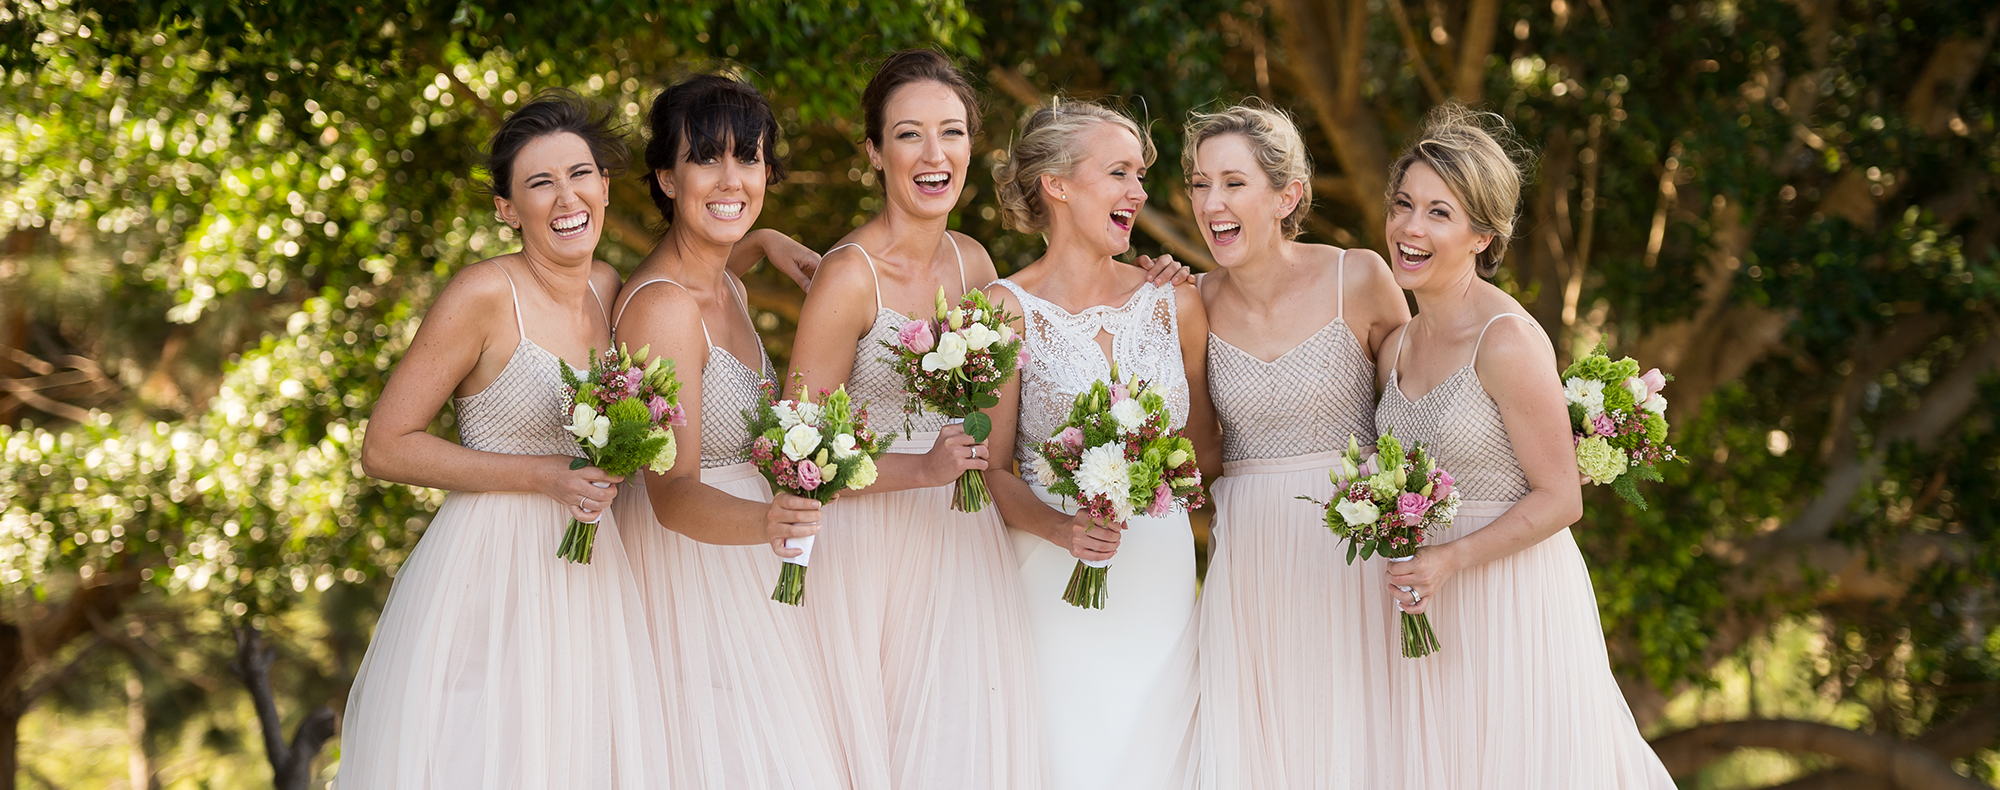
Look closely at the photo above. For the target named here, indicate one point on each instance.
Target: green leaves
(978, 425)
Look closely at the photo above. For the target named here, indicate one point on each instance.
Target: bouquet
(954, 363)
(1384, 505)
(622, 412)
(1116, 457)
(1617, 418)
(813, 450)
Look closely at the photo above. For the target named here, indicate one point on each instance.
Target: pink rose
(1444, 484)
(1163, 501)
(808, 475)
(1601, 425)
(916, 336)
(1654, 381)
(1071, 439)
(1412, 503)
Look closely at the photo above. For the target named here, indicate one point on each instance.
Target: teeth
(726, 210)
(1224, 227)
(933, 179)
(570, 222)
(1411, 252)
(1123, 215)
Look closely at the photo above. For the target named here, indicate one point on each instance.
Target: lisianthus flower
(1358, 513)
(1411, 502)
(916, 336)
(1163, 501)
(1656, 404)
(978, 337)
(808, 475)
(1071, 438)
(1655, 381)
(1638, 389)
(1445, 484)
(950, 353)
(843, 446)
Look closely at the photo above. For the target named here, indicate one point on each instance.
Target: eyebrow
(551, 174)
(915, 122)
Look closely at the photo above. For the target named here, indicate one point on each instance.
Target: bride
(1117, 684)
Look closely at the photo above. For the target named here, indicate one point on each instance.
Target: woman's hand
(1088, 540)
(1164, 270)
(1424, 576)
(790, 517)
(789, 256)
(586, 492)
(954, 453)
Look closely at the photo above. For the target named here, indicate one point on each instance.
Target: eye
(1233, 184)
(1118, 172)
(749, 160)
(1440, 213)
(908, 136)
(1401, 203)
(954, 132)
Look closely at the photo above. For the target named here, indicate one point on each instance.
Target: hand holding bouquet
(1116, 457)
(1384, 505)
(1617, 419)
(622, 412)
(954, 363)
(812, 450)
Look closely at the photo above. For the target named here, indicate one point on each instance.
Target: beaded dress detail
(1461, 426)
(728, 389)
(1308, 400)
(874, 381)
(522, 412)
(1063, 357)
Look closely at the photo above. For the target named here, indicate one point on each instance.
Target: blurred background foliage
(220, 221)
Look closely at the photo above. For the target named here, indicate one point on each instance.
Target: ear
(666, 181)
(1054, 189)
(874, 155)
(1485, 241)
(1288, 199)
(504, 209)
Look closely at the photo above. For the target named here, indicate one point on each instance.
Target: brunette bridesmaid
(1295, 642)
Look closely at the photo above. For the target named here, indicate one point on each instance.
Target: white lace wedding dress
(1117, 684)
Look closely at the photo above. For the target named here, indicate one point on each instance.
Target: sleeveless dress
(920, 617)
(1295, 643)
(497, 664)
(738, 668)
(1118, 683)
(1521, 695)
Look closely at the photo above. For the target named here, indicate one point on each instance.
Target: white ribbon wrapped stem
(1399, 604)
(805, 547)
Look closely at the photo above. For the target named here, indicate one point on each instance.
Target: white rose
(800, 441)
(1129, 414)
(1636, 388)
(787, 417)
(978, 337)
(1656, 404)
(1103, 470)
(1588, 393)
(949, 355)
(1358, 514)
(843, 446)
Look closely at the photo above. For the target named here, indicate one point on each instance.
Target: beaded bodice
(1461, 425)
(875, 382)
(523, 411)
(1062, 357)
(728, 389)
(1308, 400)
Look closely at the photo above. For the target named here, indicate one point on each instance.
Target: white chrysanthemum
(1588, 393)
(1130, 414)
(1040, 472)
(1104, 470)
(978, 336)
(1358, 514)
(800, 441)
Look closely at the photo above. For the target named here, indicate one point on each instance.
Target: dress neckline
(1096, 308)
(1395, 383)
(1288, 352)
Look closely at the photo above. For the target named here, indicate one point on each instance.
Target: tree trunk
(291, 763)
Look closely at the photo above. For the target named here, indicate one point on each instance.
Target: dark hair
(904, 68)
(553, 111)
(708, 114)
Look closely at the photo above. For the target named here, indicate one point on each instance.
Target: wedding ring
(1416, 597)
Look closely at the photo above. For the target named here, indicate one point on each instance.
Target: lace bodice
(1461, 425)
(1062, 357)
(728, 389)
(875, 382)
(1308, 400)
(525, 408)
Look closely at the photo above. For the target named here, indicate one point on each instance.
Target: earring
(1063, 197)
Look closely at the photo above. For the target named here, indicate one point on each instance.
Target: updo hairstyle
(553, 111)
(1481, 161)
(1274, 140)
(1049, 146)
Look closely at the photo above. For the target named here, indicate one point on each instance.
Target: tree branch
(1326, 60)
(1903, 764)
(291, 765)
(1417, 59)
(1482, 22)
(1964, 736)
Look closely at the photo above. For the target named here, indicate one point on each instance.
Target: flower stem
(969, 495)
(791, 585)
(1418, 638)
(577, 542)
(1086, 587)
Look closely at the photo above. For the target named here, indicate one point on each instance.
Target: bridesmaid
(1295, 643)
(495, 663)
(918, 610)
(737, 667)
(1117, 684)
(1522, 694)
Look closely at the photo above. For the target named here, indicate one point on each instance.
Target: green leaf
(978, 426)
(578, 463)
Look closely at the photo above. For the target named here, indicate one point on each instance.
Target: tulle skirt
(1117, 684)
(738, 668)
(1521, 695)
(1296, 644)
(496, 664)
(925, 642)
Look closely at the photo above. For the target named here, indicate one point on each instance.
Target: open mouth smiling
(1225, 232)
(1123, 218)
(570, 226)
(936, 183)
(726, 209)
(1411, 256)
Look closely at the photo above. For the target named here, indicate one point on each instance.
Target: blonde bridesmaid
(1295, 642)
(739, 669)
(1522, 693)
(919, 614)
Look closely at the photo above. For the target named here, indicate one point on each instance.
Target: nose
(933, 150)
(1211, 201)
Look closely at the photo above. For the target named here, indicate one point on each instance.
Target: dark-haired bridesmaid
(739, 670)
(497, 664)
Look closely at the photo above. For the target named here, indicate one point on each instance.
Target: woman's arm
(1374, 305)
(838, 313)
(1517, 367)
(786, 254)
(461, 338)
(1202, 428)
(1018, 505)
(668, 319)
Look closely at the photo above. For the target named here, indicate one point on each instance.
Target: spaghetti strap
(1340, 307)
(635, 293)
(514, 296)
(871, 270)
(1489, 325)
(1396, 362)
(961, 264)
(601, 309)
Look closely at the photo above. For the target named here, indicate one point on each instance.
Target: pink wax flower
(916, 336)
(1601, 425)
(1163, 501)
(1071, 438)
(1654, 380)
(808, 475)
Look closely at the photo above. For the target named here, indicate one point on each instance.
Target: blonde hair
(1484, 165)
(1274, 140)
(1047, 146)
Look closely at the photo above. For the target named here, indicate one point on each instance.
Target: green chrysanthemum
(1602, 462)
